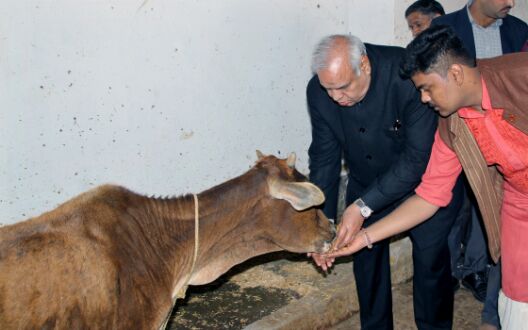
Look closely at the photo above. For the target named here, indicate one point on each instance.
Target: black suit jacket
(513, 31)
(385, 139)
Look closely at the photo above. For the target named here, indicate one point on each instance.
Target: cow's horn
(301, 195)
(260, 155)
(291, 160)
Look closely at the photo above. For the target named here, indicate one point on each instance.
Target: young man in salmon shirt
(484, 131)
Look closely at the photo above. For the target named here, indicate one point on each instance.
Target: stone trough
(280, 291)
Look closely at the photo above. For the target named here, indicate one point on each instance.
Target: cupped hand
(350, 225)
(322, 260)
(357, 243)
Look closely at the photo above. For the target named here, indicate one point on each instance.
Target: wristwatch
(363, 208)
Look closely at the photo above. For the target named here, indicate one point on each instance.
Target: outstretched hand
(348, 228)
(322, 261)
(326, 260)
(347, 240)
(355, 245)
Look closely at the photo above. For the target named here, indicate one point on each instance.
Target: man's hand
(358, 242)
(350, 225)
(322, 261)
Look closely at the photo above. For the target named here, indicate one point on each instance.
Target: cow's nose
(327, 246)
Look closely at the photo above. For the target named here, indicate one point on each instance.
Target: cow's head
(295, 224)
(272, 209)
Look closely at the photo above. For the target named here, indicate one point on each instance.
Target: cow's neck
(227, 231)
(229, 228)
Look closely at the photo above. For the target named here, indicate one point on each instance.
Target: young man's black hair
(435, 49)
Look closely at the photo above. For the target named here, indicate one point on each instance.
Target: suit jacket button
(362, 130)
(369, 157)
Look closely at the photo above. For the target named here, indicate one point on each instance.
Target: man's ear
(365, 64)
(456, 71)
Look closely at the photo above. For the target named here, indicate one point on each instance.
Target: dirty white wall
(165, 98)
(162, 96)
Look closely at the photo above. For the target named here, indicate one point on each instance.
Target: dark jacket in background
(513, 31)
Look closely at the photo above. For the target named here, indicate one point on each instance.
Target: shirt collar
(495, 24)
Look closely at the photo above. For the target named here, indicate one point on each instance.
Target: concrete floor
(466, 315)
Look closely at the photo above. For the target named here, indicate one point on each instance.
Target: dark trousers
(469, 252)
(432, 286)
(467, 241)
(490, 311)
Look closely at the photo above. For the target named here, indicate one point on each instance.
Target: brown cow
(113, 259)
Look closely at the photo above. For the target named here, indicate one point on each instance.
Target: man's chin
(444, 113)
(503, 13)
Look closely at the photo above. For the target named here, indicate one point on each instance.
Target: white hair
(356, 49)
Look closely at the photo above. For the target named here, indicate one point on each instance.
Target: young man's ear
(457, 73)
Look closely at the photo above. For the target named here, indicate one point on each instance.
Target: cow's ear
(291, 160)
(301, 195)
(260, 155)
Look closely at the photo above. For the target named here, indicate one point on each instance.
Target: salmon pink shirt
(506, 147)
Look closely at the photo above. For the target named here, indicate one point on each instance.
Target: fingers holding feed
(344, 251)
(322, 261)
(340, 239)
(353, 246)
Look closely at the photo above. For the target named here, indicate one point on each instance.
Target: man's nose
(425, 98)
(335, 94)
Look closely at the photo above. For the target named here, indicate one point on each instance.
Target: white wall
(165, 98)
(162, 96)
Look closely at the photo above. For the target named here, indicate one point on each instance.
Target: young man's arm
(435, 191)
(409, 214)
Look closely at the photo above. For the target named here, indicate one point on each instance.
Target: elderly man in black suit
(363, 111)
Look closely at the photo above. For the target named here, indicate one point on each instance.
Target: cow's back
(71, 239)
(38, 300)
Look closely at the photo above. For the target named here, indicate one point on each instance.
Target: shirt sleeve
(441, 174)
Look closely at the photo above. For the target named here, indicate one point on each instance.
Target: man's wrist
(363, 208)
